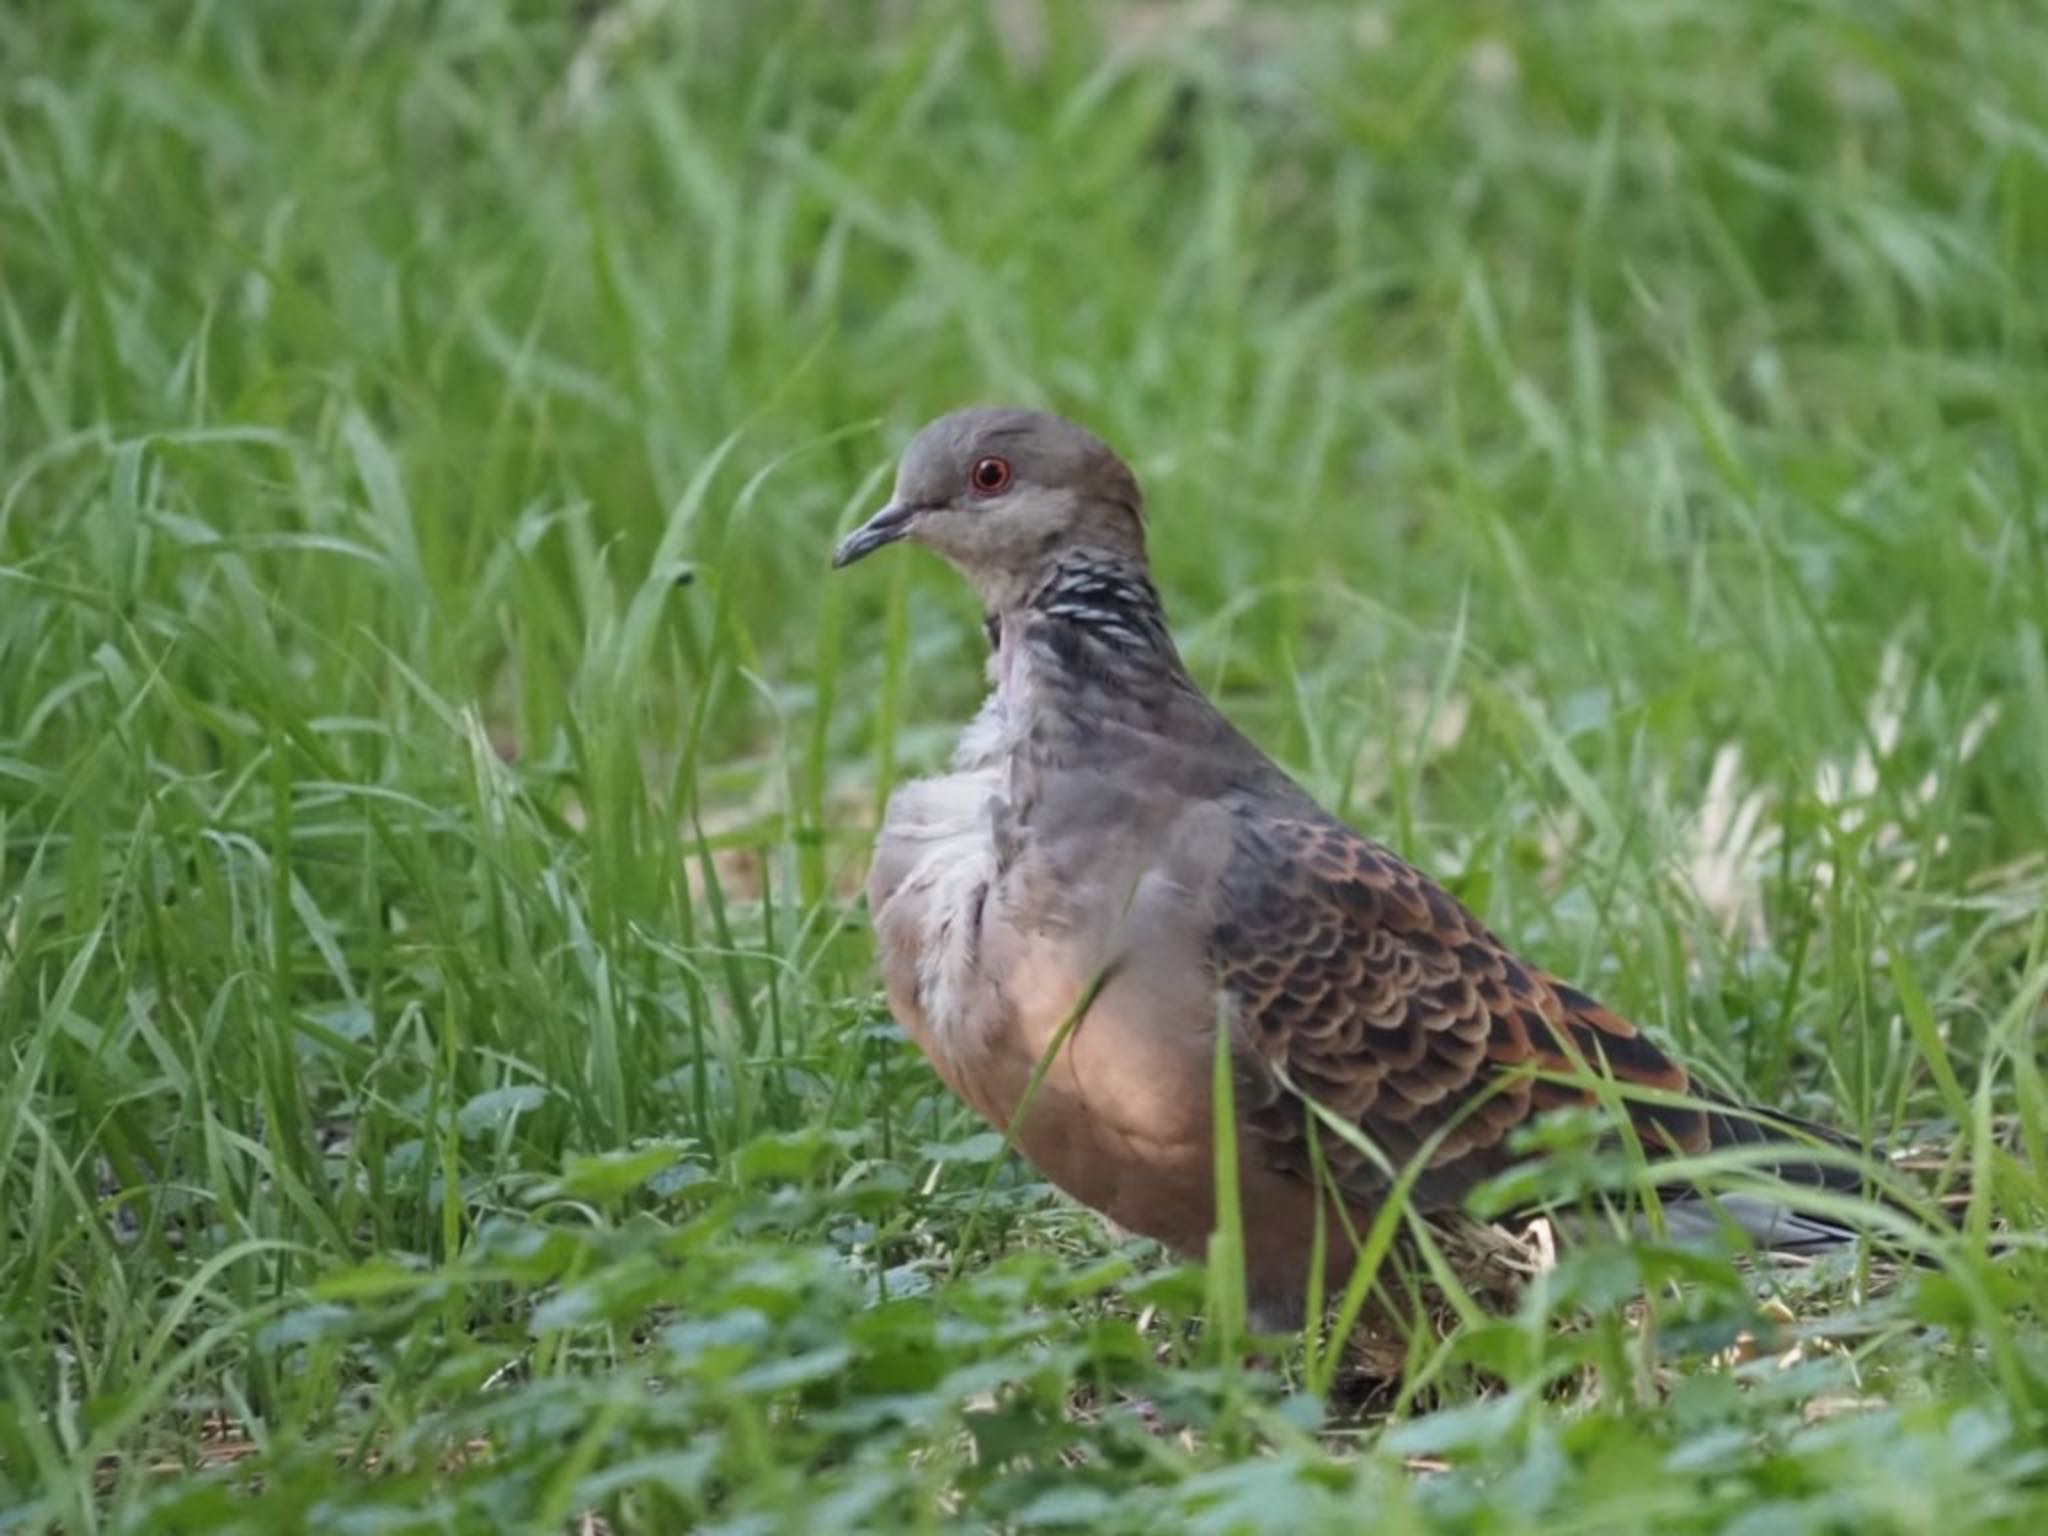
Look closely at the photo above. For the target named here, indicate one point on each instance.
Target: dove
(1111, 881)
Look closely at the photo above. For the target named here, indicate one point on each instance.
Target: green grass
(1601, 448)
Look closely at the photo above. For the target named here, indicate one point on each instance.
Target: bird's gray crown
(1044, 451)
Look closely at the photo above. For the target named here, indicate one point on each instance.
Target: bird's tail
(1792, 1145)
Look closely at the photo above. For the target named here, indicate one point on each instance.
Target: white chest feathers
(934, 863)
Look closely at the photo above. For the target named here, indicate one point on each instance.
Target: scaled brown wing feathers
(1362, 984)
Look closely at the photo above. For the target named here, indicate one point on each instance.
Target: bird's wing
(1359, 982)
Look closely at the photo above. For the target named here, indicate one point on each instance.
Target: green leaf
(490, 1111)
(604, 1176)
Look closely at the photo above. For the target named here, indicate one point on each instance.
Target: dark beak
(885, 527)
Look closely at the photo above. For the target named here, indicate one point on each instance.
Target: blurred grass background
(1600, 448)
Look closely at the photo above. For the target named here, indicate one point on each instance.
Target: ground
(1602, 449)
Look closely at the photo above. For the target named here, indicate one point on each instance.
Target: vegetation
(1603, 449)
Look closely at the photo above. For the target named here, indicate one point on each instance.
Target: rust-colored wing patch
(1368, 988)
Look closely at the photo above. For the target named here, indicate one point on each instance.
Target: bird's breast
(933, 865)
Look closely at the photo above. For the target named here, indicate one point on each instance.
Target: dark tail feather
(1773, 1224)
(1792, 1141)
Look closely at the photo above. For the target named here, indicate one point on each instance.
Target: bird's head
(1003, 493)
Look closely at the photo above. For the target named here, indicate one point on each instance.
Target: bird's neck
(1105, 596)
(1088, 634)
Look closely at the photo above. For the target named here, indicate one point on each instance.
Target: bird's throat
(1008, 648)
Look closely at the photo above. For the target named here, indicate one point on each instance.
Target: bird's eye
(989, 476)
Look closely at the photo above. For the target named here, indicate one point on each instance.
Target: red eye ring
(989, 476)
